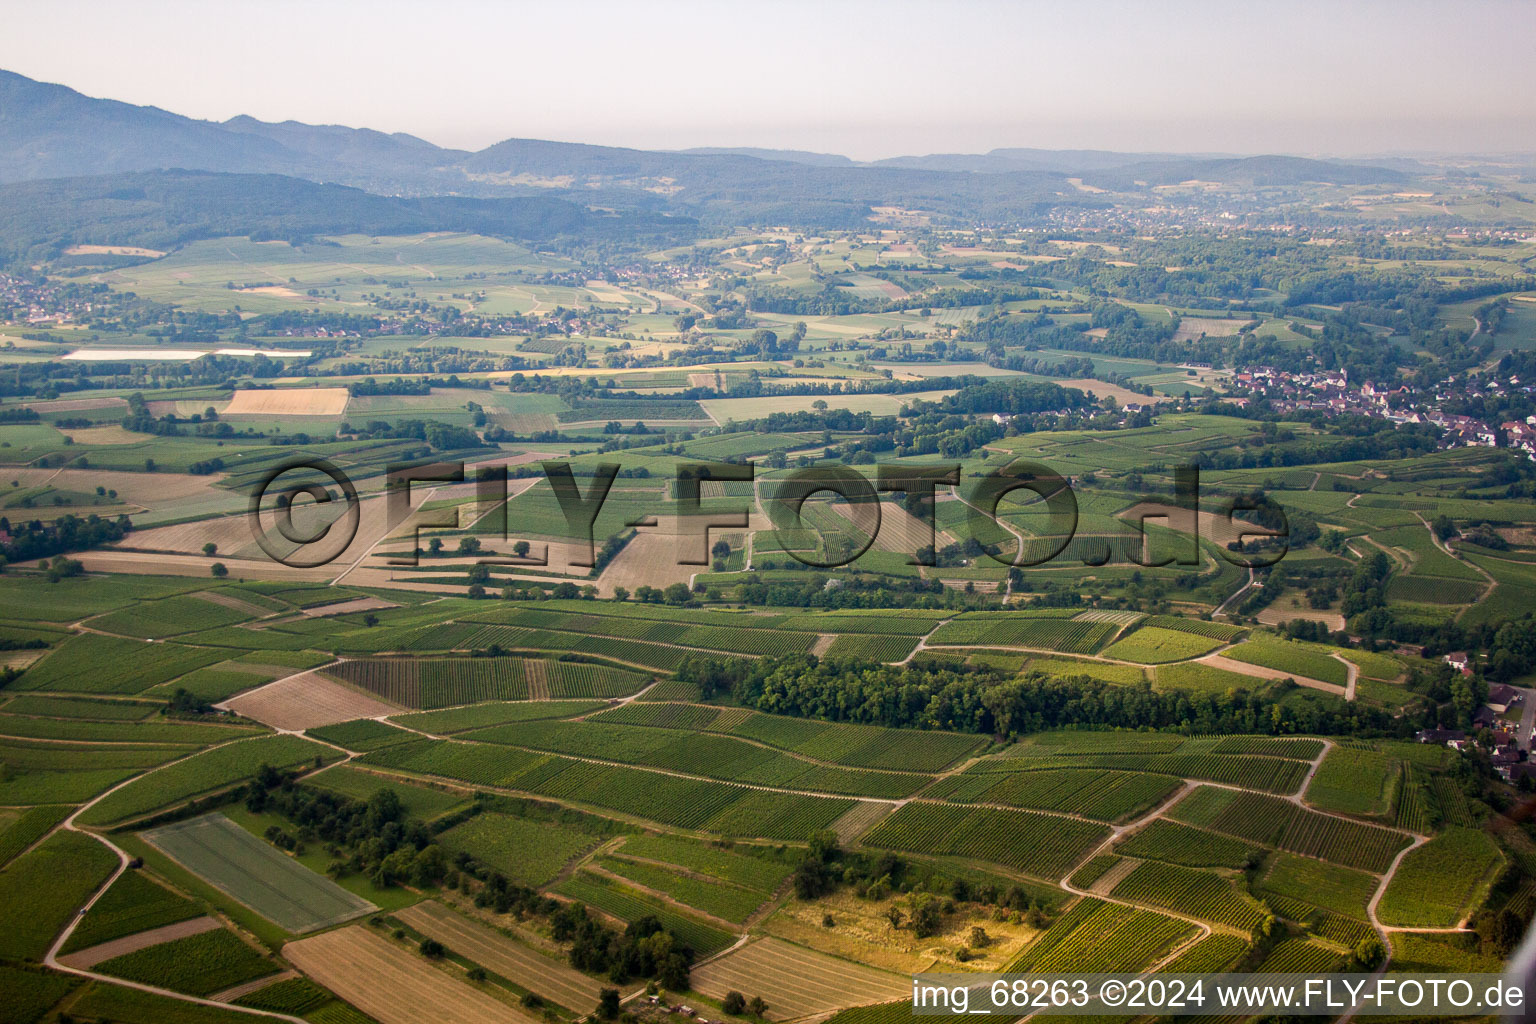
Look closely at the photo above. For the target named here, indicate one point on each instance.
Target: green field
(131, 904)
(40, 892)
(1299, 659)
(1438, 882)
(416, 801)
(1154, 645)
(529, 852)
(198, 965)
(629, 905)
(1354, 781)
(211, 770)
(1271, 821)
(256, 874)
(1341, 890)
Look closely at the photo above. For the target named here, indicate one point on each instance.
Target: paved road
(1527, 718)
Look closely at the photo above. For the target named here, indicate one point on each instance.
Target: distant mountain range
(51, 131)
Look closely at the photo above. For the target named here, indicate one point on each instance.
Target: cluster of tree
(369, 387)
(37, 539)
(855, 592)
(835, 300)
(440, 436)
(644, 949)
(945, 695)
(1011, 397)
(372, 837)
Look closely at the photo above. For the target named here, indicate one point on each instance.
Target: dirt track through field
(1233, 665)
(93, 955)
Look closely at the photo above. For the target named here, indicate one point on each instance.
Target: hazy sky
(866, 79)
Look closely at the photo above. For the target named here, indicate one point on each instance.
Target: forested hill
(51, 131)
(163, 209)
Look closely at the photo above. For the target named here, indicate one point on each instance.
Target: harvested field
(238, 549)
(274, 885)
(492, 950)
(900, 530)
(1192, 327)
(306, 701)
(288, 402)
(93, 955)
(798, 981)
(112, 434)
(351, 961)
(79, 405)
(1275, 615)
(1100, 390)
(650, 559)
(151, 489)
(112, 250)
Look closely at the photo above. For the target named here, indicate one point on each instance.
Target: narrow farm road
(123, 860)
(1253, 583)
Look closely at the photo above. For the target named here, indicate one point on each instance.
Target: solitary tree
(210, 549)
(219, 570)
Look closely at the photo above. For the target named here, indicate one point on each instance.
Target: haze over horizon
(859, 79)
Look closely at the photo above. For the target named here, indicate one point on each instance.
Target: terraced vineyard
(1281, 824)
(1099, 936)
(1270, 774)
(448, 682)
(818, 781)
(714, 756)
(1180, 844)
(221, 766)
(1437, 882)
(667, 799)
(859, 745)
(1105, 795)
(1196, 893)
(871, 647)
(1199, 627)
(1033, 843)
(1046, 633)
(1353, 781)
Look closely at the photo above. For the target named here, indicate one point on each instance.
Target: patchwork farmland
(457, 772)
